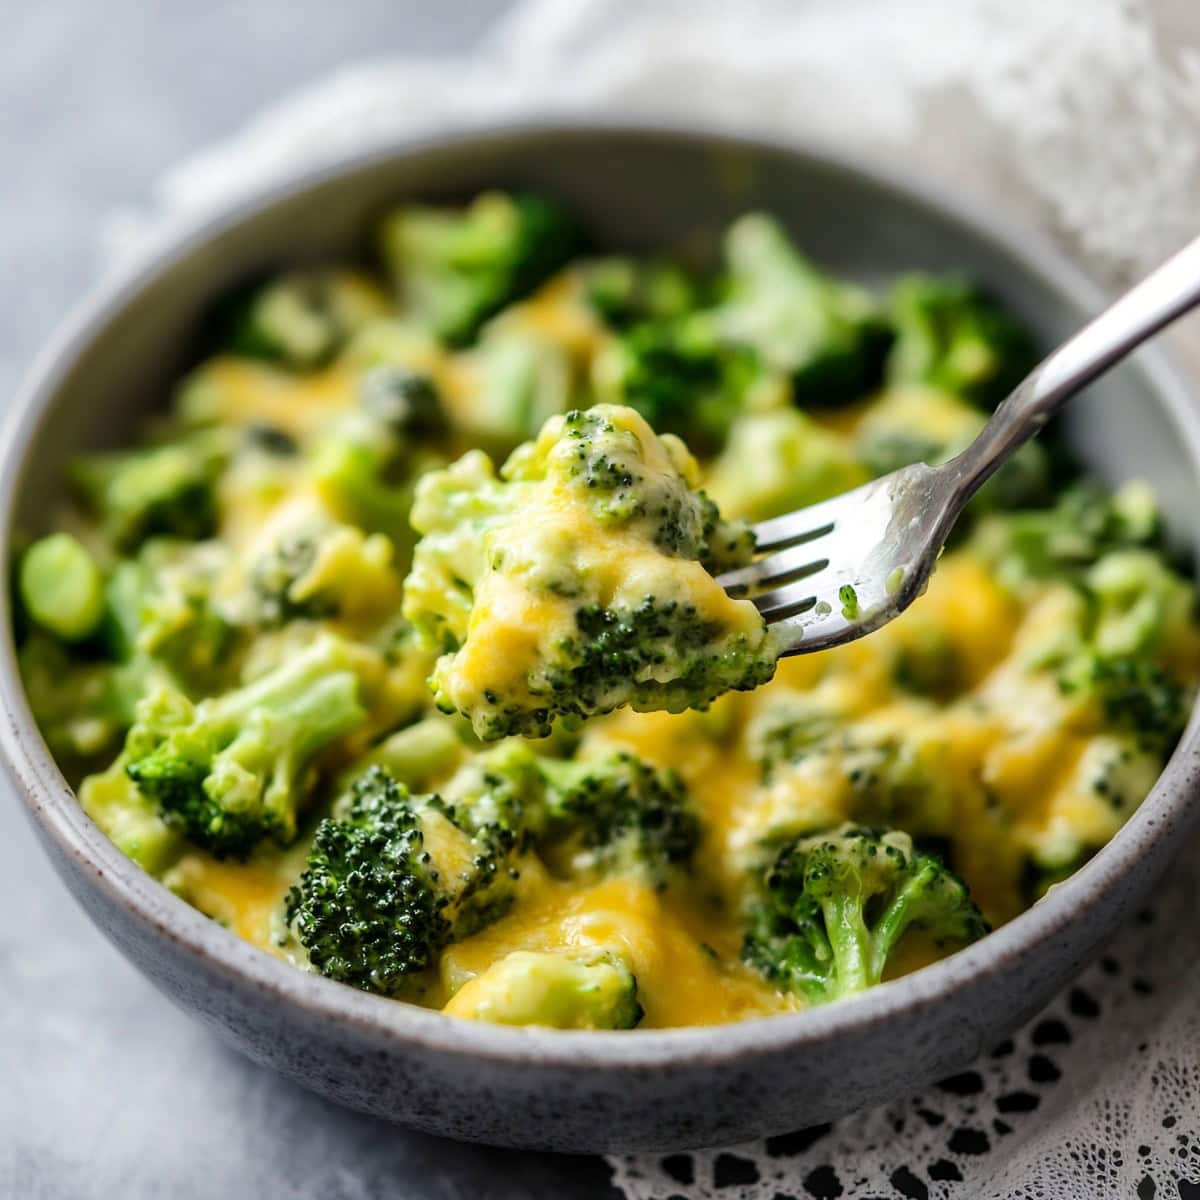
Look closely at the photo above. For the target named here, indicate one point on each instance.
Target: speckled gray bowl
(538, 1088)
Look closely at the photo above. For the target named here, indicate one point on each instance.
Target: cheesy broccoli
(580, 580)
(481, 490)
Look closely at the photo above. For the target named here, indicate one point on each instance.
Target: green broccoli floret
(367, 462)
(166, 489)
(780, 460)
(162, 605)
(61, 587)
(616, 815)
(455, 268)
(130, 820)
(1132, 694)
(611, 815)
(368, 908)
(392, 878)
(83, 706)
(315, 568)
(910, 424)
(600, 527)
(557, 990)
(1138, 602)
(519, 378)
(628, 291)
(833, 909)
(680, 377)
(871, 774)
(402, 401)
(1062, 541)
(235, 769)
(950, 334)
(829, 337)
(303, 318)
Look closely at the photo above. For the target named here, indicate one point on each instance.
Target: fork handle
(1165, 294)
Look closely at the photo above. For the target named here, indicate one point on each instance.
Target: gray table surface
(105, 1090)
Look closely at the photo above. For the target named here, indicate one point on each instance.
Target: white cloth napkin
(1082, 116)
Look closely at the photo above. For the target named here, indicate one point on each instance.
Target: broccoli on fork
(233, 770)
(834, 907)
(581, 580)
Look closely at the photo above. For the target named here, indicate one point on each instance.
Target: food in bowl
(227, 641)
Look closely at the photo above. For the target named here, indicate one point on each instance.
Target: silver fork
(839, 570)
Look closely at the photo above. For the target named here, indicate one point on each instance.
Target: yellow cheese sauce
(958, 710)
(684, 959)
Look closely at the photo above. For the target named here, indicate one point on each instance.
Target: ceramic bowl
(638, 189)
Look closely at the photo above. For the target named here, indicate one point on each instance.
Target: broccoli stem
(850, 940)
(898, 914)
(314, 688)
(61, 587)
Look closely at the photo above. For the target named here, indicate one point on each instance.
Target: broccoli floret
(950, 334)
(597, 527)
(1139, 602)
(680, 377)
(1131, 694)
(1062, 541)
(166, 489)
(778, 461)
(824, 764)
(833, 909)
(455, 268)
(557, 990)
(130, 820)
(517, 378)
(611, 815)
(83, 706)
(367, 462)
(404, 402)
(162, 605)
(314, 568)
(1112, 775)
(61, 587)
(617, 815)
(233, 770)
(368, 908)
(910, 424)
(392, 878)
(303, 318)
(828, 337)
(629, 291)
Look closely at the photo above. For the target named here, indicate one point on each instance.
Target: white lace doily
(1080, 115)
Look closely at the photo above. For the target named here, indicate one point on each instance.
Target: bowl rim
(53, 805)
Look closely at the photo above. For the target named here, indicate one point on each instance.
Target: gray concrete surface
(105, 1091)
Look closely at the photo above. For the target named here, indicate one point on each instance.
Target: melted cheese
(669, 947)
(517, 618)
(1017, 762)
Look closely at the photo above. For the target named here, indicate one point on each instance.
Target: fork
(841, 569)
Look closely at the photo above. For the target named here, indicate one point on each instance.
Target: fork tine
(776, 535)
(785, 566)
(806, 524)
(785, 602)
